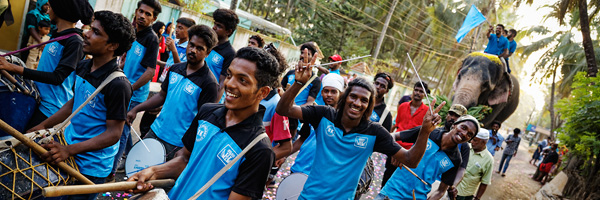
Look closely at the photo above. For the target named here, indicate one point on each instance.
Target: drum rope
(40, 44)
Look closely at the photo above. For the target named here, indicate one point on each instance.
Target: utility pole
(385, 26)
(475, 37)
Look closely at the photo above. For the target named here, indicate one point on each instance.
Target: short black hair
(418, 84)
(153, 4)
(280, 58)
(118, 28)
(385, 76)
(226, 17)
(310, 46)
(44, 23)
(206, 33)
(513, 31)
(259, 40)
(156, 27)
(188, 22)
(497, 122)
(500, 25)
(517, 131)
(358, 82)
(267, 68)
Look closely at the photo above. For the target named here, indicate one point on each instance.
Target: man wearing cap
(479, 169)
(495, 142)
(440, 161)
(334, 69)
(454, 113)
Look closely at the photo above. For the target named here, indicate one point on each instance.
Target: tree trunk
(552, 120)
(588, 47)
(233, 5)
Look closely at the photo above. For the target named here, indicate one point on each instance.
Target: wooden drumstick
(14, 81)
(55, 191)
(413, 173)
(40, 150)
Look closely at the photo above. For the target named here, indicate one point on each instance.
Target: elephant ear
(501, 92)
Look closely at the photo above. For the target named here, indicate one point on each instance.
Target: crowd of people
(214, 102)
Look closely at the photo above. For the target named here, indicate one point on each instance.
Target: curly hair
(206, 33)
(358, 82)
(418, 84)
(280, 59)
(153, 4)
(267, 68)
(387, 77)
(118, 29)
(226, 17)
(188, 22)
(258, 39)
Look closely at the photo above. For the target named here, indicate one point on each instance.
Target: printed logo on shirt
(173, 80)
(181, 55)
(330, 130)
(216, 59)
(374, 117)
(92, 102)
(226, 154)
(201, 134)
(53, 49)
(138, 50)
(361, 142)
(428, 145)
(189, 88)
(445, 163)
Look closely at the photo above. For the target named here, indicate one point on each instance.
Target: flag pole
(475, 37)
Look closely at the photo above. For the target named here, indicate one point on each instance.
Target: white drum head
(291, 187)
(140, 158)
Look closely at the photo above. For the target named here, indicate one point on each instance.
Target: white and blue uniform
(311, 90)
(304, 160)
(436, 164)
(340, 156)
(378, 110)
(181, 51)
(109, 104)
(142, 55)
(212, 146)
(176, 116)
(220, 58)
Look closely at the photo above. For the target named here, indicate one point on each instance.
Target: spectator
(512, 146)
(32, 20)
(256, 41)
(481, 162)
(495, 142)
(43, 30)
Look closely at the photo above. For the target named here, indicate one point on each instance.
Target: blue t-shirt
(311, 90)
(306, 155)
(496, 45)
(212, 146)
(493, 142)
(142, 55)
(512, 46)
(436, 164)
(180, 52)
(340, 152)
(109, 104)
(195, 90)
(220, 58)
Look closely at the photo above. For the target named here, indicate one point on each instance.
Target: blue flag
(473, 19)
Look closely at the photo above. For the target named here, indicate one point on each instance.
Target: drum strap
(384, 115)
(228, 166)
(104, 83)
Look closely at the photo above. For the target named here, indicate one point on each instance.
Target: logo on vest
(361, 142)
(374, 117)
(226, 154)
(428, 145)
(52, 49)
(445, 163)
(330, 130)
(201, 134)
(92, 102)
(216, 59)
(173, 79)
(138, 50)
(189, 88)
(182, 56)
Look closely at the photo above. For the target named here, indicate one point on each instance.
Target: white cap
(483, 134)
(333, 80)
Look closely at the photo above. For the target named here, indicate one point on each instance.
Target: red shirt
(405, 121)
(278, 129)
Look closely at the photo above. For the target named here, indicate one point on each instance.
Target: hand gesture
(431, 120)
(171, 44)
(141, 178)
(304, 69)
(56, 152)
(130, 117)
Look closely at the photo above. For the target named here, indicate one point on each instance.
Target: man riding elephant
(484, 80)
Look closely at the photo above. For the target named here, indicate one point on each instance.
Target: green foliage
(581, 112)
(479, 112)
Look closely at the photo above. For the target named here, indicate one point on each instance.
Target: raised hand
(431, 120)
(304, 69)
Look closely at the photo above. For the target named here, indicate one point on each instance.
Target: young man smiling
(95, 130)
(187, 87)
(346, 137)
(220, 132)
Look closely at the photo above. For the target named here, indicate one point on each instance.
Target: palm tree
(581, 6)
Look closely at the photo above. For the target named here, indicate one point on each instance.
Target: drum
(365, 179)
(154, 194)
(147, 152)
(23, 174)
(16, 106)
(291, 186)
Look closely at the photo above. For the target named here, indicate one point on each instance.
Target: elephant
(484, 80)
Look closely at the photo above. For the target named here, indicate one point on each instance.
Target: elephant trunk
(467, 93)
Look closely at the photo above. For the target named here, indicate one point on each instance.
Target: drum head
(139, 158)
(291, 187)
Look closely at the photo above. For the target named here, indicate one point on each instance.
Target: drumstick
(138, 135)
(413, 173)
(341, 61)
(55, 191)
(40, 150)
(14, 81)
(420, 81)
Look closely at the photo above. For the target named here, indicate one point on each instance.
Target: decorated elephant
(483, 80)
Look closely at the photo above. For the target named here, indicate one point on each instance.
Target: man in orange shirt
(410, 114)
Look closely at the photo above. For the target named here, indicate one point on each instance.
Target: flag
(473, 19)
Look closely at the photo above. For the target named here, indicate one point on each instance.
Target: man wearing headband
(333, 86)
(54, 77)
(440, 161)
(479, 169)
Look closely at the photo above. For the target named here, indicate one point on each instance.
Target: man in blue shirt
(221, 56)
(94, 132)
(512, 46)
(346, 137)
(187, 87)
(54, 76)
(177, 47)
(497, 44)
(220, 132)
(495, 142)
(140, 63)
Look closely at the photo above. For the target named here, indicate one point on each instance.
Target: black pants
(464, 198)
(145, 123)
